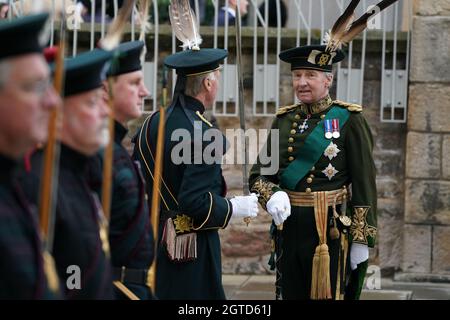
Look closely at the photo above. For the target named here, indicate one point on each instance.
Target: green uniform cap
(22, 35)
(128, 59)
(86, 71)
(194, 62)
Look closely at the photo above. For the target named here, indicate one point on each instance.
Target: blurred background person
(4, 7)
(230, 11)
(272, 22)
(201, 9)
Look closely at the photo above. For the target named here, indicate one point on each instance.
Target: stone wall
(426, 232)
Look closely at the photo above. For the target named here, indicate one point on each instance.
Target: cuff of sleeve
(360, 230)
(265, 189)
(216, 218)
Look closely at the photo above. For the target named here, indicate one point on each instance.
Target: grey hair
(330, 76)
(4, 73)
(194, 84)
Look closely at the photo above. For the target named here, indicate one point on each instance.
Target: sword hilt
(246, 192)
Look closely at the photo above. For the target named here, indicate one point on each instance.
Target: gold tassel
(320, 282)
(324, 287)
(344, 243)
(50, 272)
(315, 274)
(337, 295)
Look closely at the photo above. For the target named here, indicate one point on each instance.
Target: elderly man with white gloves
(324, 192)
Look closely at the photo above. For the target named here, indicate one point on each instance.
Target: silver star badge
(304, 126)
(331, 151)
(330, 171)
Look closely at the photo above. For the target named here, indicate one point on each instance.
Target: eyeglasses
(38, 87)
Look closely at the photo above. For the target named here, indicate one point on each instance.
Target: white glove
(358, 253)
(279, 207)
(245, 206)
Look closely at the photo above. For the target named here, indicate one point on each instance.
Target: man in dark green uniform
(193, 203)
(81, 248)
(325, 162)
(130, 231)
(26, 100)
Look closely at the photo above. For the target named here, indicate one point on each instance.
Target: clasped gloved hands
(279, 207)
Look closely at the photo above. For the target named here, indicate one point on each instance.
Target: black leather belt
(127, 275)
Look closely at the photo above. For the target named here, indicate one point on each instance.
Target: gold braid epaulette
(286, 109)
(350, 106)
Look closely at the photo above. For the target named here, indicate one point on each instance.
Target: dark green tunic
(130, 231)
(353, 164)
(21, 265)
(77, 239)
(194, 189)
